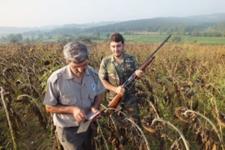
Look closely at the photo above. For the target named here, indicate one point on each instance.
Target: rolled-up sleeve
(51, 95)
(102, 73)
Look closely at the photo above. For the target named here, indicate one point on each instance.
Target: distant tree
(14, 38)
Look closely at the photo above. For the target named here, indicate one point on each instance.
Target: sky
(36, 13)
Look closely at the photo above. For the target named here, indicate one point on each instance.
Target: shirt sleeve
(51, 95)
(100, 88)
(102, 73)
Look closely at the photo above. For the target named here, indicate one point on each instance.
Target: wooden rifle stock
(116, 100)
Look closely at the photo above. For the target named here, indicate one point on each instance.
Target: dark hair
(116, 37)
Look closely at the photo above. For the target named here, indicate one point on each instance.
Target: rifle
(116, 100)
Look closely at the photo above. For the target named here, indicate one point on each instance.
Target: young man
(72, 92)
(115, 70)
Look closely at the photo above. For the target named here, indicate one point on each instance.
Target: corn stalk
(8, 119)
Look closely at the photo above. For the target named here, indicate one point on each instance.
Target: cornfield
(181, 98)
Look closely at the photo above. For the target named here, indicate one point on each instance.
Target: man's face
(78, 69)
(117, 48)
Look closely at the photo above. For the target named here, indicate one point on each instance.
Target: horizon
(41, 13)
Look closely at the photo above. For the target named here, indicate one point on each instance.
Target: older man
(72, 92)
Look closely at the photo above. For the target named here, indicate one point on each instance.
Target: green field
(155, 38)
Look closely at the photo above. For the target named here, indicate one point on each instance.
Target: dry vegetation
(182, 98)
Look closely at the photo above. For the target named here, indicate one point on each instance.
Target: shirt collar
(113, 59)
(69, 75)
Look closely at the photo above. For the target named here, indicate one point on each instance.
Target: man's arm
(77, 113)
(139, 73)
(118, 90)
(103, 74)
(97, 102)
(94, 111)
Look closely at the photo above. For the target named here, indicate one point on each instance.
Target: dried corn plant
(124, 132)
(188, 79)
(204, 129)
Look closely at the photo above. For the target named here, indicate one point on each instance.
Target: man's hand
(139, 73)
(94, 113)
(120, 90)
(78, 114)
(94, 110)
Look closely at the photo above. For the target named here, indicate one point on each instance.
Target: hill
(202, 25)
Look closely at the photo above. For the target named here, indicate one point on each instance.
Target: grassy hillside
(195, 24)
(204, 25)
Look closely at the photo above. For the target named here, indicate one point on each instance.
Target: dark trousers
(71, 140)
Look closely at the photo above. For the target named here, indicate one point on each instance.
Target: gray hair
(75, 51)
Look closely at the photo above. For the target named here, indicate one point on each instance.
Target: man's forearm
(108, 86)
(98, 100)
(78, 114)
(60, 109)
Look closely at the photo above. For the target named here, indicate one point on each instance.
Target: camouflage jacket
(116, 74)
